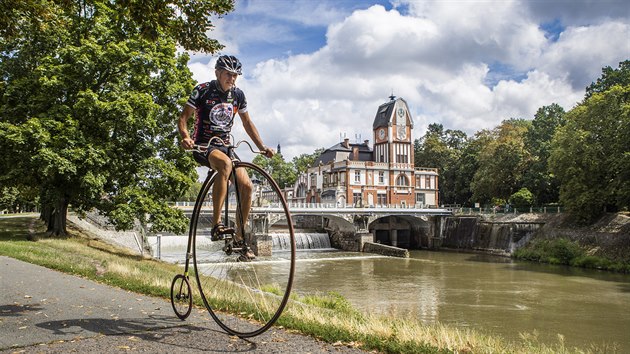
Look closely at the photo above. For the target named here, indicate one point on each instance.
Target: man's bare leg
(222, 166)
(245, 189)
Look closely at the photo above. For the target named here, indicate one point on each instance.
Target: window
(402, 180)
(381, 177)
(381, 199)
(313, 180)
(357, 176)
(420, 199)
(427, 182)
(356, 198)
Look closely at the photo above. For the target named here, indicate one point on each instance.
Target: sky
(316, 71)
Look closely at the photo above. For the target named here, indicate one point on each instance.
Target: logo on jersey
(221, 116)
(195, 94)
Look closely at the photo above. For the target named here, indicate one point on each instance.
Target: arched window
(402, 180)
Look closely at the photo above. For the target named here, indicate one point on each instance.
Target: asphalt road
(45, 311)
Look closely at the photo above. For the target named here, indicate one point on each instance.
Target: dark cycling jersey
(215, 110)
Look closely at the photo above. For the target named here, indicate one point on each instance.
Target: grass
(328, 317)
(564, 251)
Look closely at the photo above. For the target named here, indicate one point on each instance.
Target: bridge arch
(404, 231)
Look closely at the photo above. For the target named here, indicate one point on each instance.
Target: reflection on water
(486, 293)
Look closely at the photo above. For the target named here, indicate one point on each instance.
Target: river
(487, 293)
(491, 294)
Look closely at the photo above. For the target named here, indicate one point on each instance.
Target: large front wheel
(245, 297)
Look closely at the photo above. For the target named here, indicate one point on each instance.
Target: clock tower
(392, 133)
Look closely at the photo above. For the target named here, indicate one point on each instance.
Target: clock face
(381, 133)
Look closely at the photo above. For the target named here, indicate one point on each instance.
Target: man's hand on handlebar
(267, 152)
(188, 143)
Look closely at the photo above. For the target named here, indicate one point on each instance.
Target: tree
(502, 162)
(89, 94)
(610, 77)
(187, 22)
(591, 154)
(282, 172)
(537, 179)
(441, 149)
(467, 165)
(302, 162)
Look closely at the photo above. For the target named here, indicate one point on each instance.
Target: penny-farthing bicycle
(245, 297)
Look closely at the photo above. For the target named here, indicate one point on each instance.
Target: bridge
(350, 213)
(407, 227)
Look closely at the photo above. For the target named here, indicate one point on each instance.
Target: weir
(475, 234)
(303, 241)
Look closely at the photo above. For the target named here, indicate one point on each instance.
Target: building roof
(347, 149)
(385, 112)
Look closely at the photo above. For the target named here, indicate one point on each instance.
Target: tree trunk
(57, 218)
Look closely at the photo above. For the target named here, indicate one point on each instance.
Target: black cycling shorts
(202, 157)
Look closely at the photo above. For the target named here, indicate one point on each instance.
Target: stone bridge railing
(359, 217)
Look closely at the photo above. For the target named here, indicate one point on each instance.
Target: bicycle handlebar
(204, 148)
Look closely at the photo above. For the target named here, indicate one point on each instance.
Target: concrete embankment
(371, 247)
(609, 237)
(488, 235)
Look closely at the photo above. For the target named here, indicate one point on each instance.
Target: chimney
(366, 142)
(346, 143)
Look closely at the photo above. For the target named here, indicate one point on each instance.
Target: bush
(522, 199)
(567, 252)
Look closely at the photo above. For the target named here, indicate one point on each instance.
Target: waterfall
(303, 240)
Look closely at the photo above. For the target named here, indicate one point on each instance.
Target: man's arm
(182, 126)
(251, 130)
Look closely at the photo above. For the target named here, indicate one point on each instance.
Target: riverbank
(603, 245)
(330, 319)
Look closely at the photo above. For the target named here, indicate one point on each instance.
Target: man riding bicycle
(215, 104)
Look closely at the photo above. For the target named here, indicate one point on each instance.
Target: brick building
(359, 175)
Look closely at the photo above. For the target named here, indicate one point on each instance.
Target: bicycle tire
(181, 296)
(245, 298)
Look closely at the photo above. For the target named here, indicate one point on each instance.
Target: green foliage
(188, 23)
(591, 153)
(503, 160)
(537, 178)
(567, 252)
(14, 199)
(522, 199)
(442, 149)
(282, 172)
(610, 77)
(302, 162)
(88, 103)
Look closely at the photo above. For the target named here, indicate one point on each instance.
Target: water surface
(487, 293)
(491, 294)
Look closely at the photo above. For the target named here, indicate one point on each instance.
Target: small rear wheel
(181, 296)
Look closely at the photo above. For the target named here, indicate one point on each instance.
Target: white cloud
(581, 52)
(466, 65)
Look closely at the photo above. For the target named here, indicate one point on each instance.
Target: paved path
(45, 311)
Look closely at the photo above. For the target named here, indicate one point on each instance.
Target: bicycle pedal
(244, 258)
